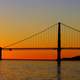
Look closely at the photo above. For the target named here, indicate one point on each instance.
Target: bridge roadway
(69, 48)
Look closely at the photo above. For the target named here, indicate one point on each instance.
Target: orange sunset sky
(22, 18)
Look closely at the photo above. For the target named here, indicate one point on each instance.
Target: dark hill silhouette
(75, 58)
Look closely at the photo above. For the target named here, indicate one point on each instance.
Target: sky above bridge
(20, 18)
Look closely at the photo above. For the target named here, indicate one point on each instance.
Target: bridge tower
(59, 43)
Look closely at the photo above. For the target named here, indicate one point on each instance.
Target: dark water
(38, 70)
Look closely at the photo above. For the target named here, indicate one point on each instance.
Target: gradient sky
(20, 18)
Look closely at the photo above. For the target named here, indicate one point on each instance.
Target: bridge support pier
(0, 53)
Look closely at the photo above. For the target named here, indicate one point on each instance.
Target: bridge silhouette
(62, 36)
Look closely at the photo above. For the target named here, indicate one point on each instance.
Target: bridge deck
(69, 48)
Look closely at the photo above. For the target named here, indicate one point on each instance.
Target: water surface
(38, 70)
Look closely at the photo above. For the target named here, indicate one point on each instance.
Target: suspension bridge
(56, 37)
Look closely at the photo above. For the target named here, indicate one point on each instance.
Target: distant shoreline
(76, 58)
